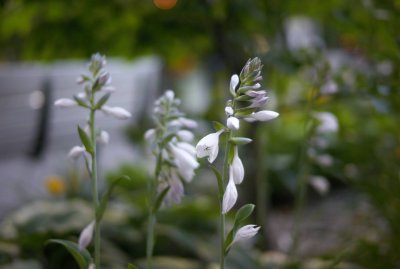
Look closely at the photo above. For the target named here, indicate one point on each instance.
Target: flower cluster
(99, 81)
(247, 103)
(170, 141)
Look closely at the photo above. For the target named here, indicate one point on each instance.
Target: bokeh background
(325, 175)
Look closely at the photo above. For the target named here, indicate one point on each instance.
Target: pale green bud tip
(86, 236)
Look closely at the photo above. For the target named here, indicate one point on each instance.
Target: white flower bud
(185, 135)
(149, 135)
(246, 232)
(169, 94)
(264, 115)
(230, 197)
(109, 89)
(76, 152)
(233, 84)
(86, 236)
(117, 112)
(328, 122)
(208, 146)
(65, 102)
(236, 169)
(233, 123)
(229, 111)
(320, 184)
(103, 138)
(188, 123)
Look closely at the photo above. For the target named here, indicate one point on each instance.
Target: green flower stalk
(175, 160)
(97, 83)
(245, 105)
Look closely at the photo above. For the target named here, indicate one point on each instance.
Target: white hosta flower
(65, 102)
(187, 123)
(320, 184)
(229, 111)
(150, 135)
(233, 123)
(103, 138)
(92, 266)
(246, 232)
(86, 236)
(185, 135)
(233, 84)
(187, 147)
(117, 112)
(230, 197)
(328, 122)
(170, 95)
(185, 162)
(175, 192)
(208, 146)
(236, 169)
(76, 152)
(264, 115)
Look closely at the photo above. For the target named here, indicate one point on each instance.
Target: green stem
(221, 197)
(300, 199)
(152, 183)
(95, 194)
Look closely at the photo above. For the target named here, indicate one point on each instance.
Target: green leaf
(131, 266)
(160, 199)
(218, 126)
(219, 180)
(102, 101)
(82, 257)
(243, 98)
(229, 240)
(106, 197)
(81, 102)
(166, 139)
(243, 213)
(85, 140)
(240, 140)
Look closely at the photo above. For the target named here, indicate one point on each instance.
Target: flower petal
(230, 197)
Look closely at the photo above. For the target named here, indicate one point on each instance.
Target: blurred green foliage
(218, 36)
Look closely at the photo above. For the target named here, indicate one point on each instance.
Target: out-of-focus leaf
(82, 257)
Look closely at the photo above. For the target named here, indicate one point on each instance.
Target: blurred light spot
(55, 185)
(36, 99)
(165, 4)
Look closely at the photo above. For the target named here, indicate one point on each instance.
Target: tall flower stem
(152, 216)
(221, 195)
(95, 195)
(301, 194)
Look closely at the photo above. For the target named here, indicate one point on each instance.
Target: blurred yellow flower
(55, 185)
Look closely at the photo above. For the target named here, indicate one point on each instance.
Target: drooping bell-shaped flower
(236, 169)
(230, 197)
(176, 190)
(233, 123)
(150, 135)
(117, 112)
(246, 232)
(76, 152)
(187, 147)
(86, 236)
(185, 135)
(65, 102)
(208, 146)
(184, 161)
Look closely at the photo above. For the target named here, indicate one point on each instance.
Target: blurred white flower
(233, 123)
(103, 138)
(150, 135)
(117, 112)
(302, 34)
(86, 236)
(208, 146)
(185, 135)
(185, 162)
(320, 184)
(76, 152)
(325, 160)
(187, 147)
(230, 197)
(328, 122)
(236, 169)
(65, 102)
(92, 266)
(183, 122)
(330, 87)
(246, 232)
(229, 111)
(176, 190)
